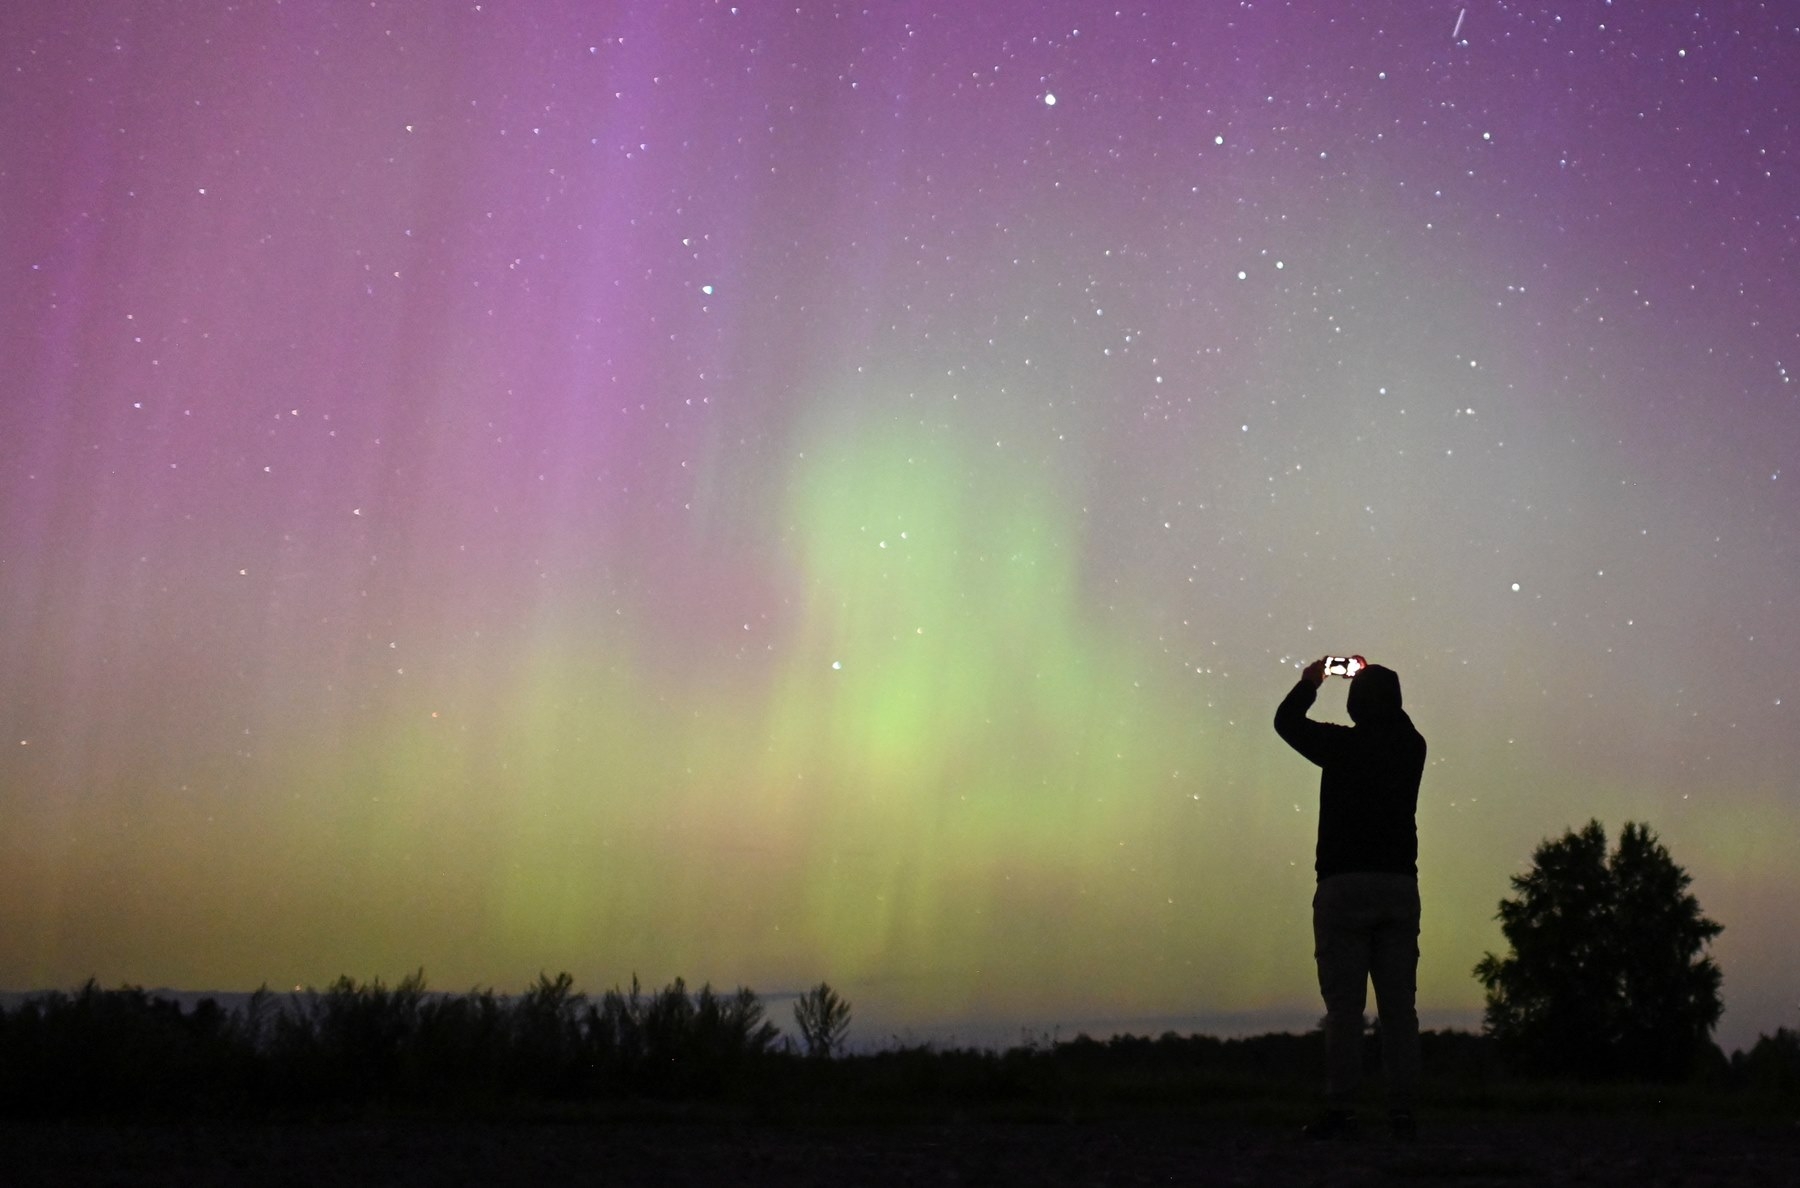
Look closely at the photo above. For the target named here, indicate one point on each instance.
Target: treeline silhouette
(355, 1048)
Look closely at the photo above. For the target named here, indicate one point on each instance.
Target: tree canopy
(1607, 975)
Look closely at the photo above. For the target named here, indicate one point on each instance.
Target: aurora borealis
(781, 492)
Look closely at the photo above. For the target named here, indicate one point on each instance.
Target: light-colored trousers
(1366, 928)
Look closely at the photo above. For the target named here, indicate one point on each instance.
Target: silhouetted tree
(823, 1019)
(1773, 1065)
(1606, 976)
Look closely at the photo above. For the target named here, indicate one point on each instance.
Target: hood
(1374, 695)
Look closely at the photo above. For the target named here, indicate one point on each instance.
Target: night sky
(825, 491)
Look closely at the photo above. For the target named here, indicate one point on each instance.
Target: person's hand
(1314, 673)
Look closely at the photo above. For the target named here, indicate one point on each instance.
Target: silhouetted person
(1366, 908)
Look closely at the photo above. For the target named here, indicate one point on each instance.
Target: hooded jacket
(1369, 775)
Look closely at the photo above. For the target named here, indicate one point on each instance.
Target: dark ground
(1511, 1151)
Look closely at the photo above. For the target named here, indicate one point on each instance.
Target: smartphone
(1344, 666)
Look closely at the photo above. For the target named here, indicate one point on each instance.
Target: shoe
(1331, 1125)
(1403, 1126)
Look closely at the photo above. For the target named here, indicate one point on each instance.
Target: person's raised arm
(1312, 739)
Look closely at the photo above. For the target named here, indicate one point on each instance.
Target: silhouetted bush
(353, 1043)
(116, 1052)
(823, 1019)
(669, 1044)
(542, 1042)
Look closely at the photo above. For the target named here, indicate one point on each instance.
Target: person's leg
(1342, 952)
(1394, 968)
